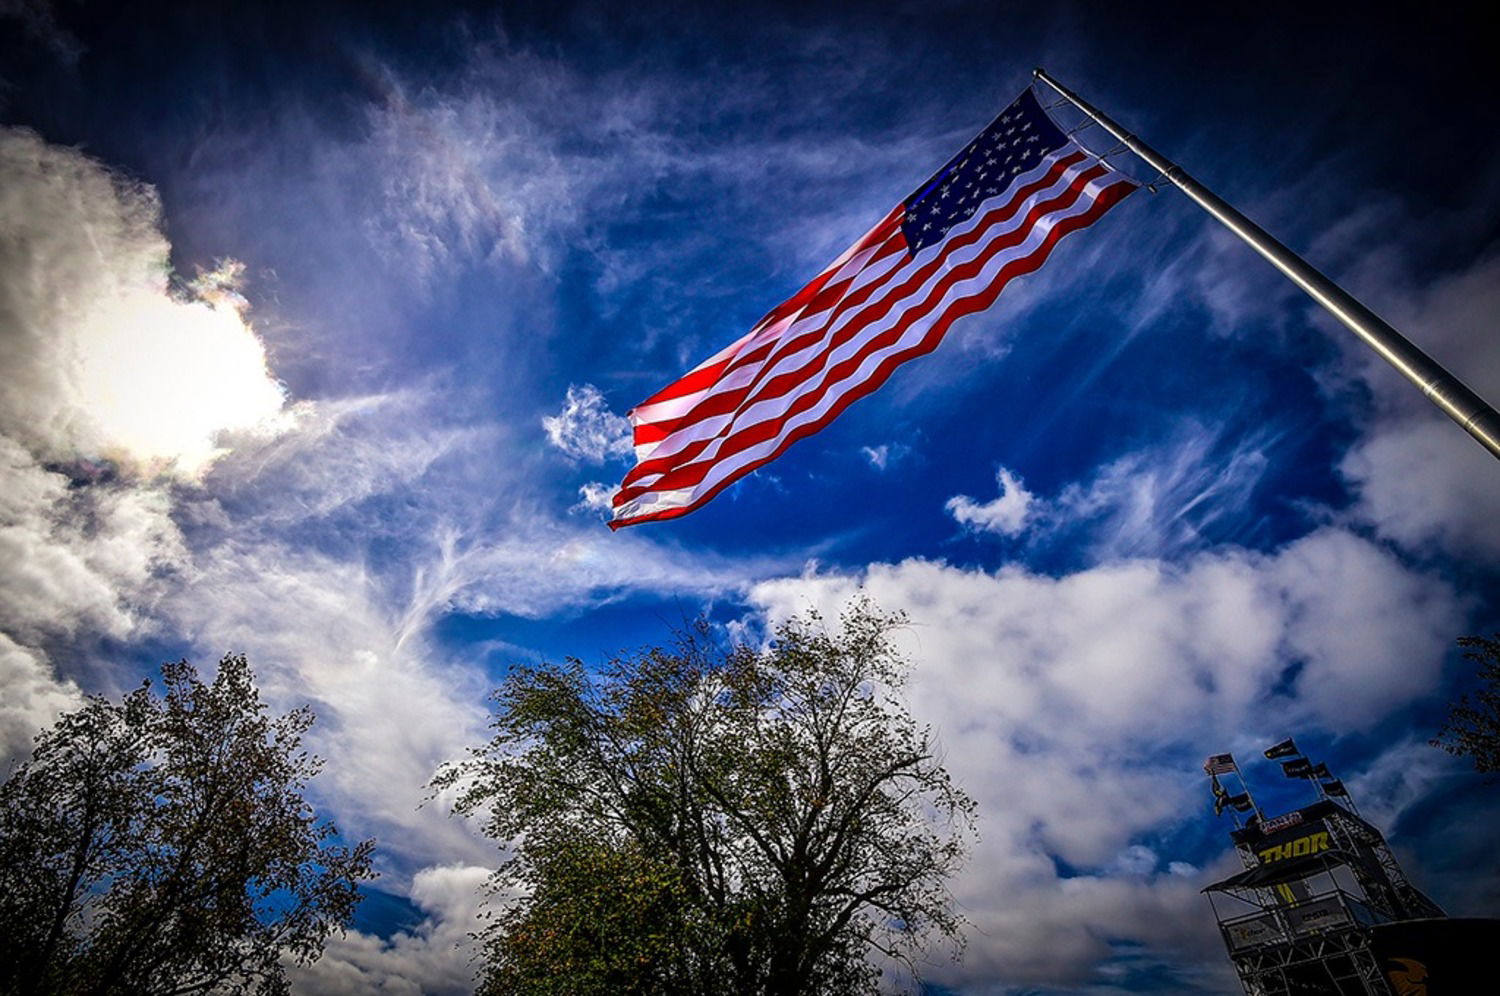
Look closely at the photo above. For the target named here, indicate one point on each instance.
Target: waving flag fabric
(992, 213)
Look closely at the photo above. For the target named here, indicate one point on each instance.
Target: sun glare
(164, 378)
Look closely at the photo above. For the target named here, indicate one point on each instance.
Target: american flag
(1219, 764)
(992, 213)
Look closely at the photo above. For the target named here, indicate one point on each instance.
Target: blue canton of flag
(1014, 143)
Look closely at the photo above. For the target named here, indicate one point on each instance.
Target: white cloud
(433, 958)
(586, 429)
(595, 496)
(1368, 629)
(886, 455)
(1419, 478)
(1062, 704)
(354, 644)
(74, 557)
(116, 386)
(1403, 775)
(1423, 482)
(33, 699)
(77, 562)
(1005, 515)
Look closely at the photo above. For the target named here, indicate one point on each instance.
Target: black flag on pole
(1298, 768)
(1287, 748)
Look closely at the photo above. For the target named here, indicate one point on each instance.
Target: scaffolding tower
(1320, 885)
(1300, 918)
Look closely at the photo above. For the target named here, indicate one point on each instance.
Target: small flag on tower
(992, 213)
(1240, 803)
(1297, 768)
(1219, 764)
(1287, 748)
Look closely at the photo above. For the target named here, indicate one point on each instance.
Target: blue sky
(319, 328)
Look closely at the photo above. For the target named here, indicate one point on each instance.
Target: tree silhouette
(1473, 727)
(695, 820)
(163, 844)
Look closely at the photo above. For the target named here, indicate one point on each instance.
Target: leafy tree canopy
(1473, 726)
(692, 819)
(162, 844)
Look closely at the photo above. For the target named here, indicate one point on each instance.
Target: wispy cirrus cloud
(1165, 499)
(1415, 477)
(39, 17)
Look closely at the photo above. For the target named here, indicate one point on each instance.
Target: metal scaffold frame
(1345, 957)
(1318, 882)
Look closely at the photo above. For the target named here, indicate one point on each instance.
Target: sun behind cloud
(105, 357)
(164, 376)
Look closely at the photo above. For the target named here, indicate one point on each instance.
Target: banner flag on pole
(1299, 768)
(1221, 794)
(992, 213)
(1287, 748)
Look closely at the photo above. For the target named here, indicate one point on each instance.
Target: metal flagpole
(1441, 387)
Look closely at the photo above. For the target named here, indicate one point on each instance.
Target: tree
(602, 920)
(696, 820)
(1473, 726)
(163, 845)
